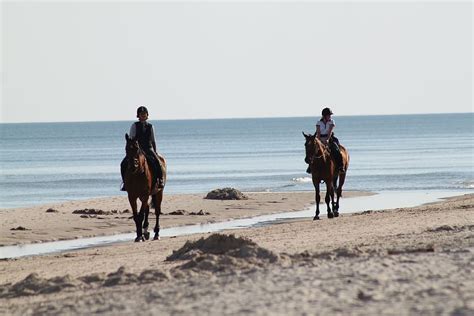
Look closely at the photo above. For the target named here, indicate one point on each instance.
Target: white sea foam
(466, 184)
(302, 179)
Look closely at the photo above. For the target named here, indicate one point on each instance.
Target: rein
(323, 152)
(141, 168)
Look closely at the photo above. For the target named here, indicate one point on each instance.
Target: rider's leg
(336, 153)
(157, 172)
(123, 167)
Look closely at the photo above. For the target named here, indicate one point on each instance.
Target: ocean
(53, 162)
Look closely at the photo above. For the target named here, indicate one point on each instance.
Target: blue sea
(52, 162)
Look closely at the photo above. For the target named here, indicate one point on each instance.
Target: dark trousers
(335, 151)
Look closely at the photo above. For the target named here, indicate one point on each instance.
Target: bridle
(137, 168)
(314, 156)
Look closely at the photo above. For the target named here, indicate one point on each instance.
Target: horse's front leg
(329, 197)
(146, 209)
(136, 217)
(157, 199)
(318, 199)
(335, 205)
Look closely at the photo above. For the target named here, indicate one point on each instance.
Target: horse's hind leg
(338, 196)
(318, 199)
(157, 198)
(342, 179)
(329, 197)
(335, 204)
(146, 233)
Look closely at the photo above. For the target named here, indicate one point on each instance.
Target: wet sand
(108, 216)
(398, 262)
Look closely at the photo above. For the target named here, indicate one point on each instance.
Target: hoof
(146, 235)
(157, 237)
(330, 215)
(139, 239)
(316, 218)
(336, 214)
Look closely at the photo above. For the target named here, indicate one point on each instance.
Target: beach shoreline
(112, 215)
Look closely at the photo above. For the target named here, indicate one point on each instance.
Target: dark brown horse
(323, 168)
(138, 183)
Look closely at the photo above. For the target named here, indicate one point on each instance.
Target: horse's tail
(334, 181)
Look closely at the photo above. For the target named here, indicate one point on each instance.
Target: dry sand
(400, 262)
(108, 216)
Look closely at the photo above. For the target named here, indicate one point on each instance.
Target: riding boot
(157, 172)
(340, 165)
(161, 184)
(341, 168)
(336, 153)
(123, 168)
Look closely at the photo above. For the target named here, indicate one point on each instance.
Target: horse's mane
(320, 148)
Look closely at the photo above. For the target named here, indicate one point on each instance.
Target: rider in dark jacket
(143, 132)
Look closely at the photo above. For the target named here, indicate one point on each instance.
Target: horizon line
(233, 118)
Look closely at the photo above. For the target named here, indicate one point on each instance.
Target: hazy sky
(87, 61)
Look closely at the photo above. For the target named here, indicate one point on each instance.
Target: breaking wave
(302, 179)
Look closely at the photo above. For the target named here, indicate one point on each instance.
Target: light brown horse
(138, 183)
(323, 168)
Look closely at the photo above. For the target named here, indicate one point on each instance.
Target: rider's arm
(331, 127)
(332, 124)
(318, 132)
(133, 131)
(153, 142)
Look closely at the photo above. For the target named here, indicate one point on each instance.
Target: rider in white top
(324, 129)
(324, 132)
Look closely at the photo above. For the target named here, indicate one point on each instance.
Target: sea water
(52, 162)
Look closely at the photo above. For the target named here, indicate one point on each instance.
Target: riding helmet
(141, 109)
(326, 111)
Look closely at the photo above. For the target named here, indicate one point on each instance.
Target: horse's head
(132, 150)
(314, 148)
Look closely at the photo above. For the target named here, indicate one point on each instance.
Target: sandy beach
(397, 262)
(270, 99)
(108, 216)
